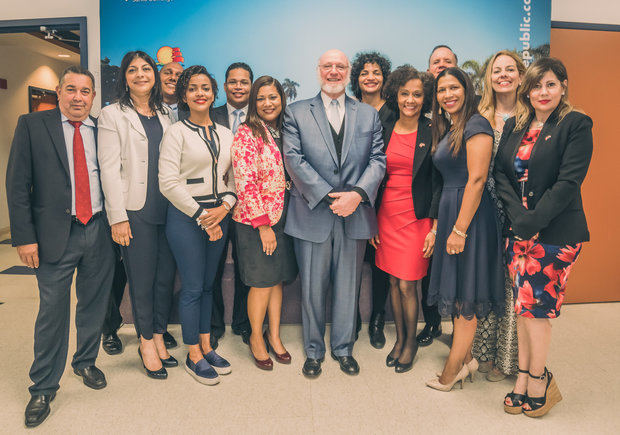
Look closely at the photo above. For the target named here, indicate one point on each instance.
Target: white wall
(35, 9)
(592, 11)
(33, 69)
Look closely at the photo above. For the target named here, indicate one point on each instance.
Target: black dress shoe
(169, 341)
(169, 362)
(312, 367)
(375, 331)
(111, 344)
(347, 364)
(429, 332)
(92, 377)
(38, 409)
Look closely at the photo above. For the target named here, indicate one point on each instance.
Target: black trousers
(90, 251)
(113, 318)
(150, 269)
(240, 319)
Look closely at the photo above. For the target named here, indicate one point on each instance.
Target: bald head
(334, 72)
(169, 74)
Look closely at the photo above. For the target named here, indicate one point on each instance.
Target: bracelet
(226, 206)
(434, 232)
(458, 232)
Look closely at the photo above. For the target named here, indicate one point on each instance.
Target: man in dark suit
(58, 225)
(237, 84)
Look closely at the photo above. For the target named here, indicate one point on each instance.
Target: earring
(440, 111)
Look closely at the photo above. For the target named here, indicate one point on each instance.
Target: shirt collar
(231, 109)
(327, 100)
(88, 121)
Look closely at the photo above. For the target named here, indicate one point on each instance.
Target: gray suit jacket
(38, 185)
(312, 162)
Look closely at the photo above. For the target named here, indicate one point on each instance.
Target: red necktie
(83, 207)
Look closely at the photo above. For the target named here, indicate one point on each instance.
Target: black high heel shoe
(390, 361)
(516, 399)
(402, 368)
(155, 374)
(169, 362)
(539, 406)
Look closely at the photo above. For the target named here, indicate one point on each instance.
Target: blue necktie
(237, 120)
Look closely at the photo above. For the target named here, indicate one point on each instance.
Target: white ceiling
(27, 43)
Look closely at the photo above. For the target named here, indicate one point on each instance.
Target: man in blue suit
(333, 153)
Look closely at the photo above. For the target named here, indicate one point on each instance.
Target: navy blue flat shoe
(201, 371)
(221, 365)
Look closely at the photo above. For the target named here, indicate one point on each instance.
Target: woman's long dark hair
(440, 121)
(122, 89)
(253, 120)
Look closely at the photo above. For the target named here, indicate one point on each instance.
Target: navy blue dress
(472, 282)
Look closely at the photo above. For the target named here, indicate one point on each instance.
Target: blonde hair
(487, 102)
(533, 76)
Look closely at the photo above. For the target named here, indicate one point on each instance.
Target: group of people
(426, 180)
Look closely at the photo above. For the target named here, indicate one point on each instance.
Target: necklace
(538, 124)
(504, 116)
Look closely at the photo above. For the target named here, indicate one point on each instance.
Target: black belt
(92, 218)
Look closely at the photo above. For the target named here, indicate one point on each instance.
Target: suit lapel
(318, 111)
(134, 120)
(53, 123)
(422, 145)
(349, 125)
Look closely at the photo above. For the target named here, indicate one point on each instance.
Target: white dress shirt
(231, 116)
(87, 130)
(327, 101)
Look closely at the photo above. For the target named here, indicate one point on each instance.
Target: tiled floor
(584, 357)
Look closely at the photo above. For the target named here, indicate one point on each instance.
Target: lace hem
(467, 309)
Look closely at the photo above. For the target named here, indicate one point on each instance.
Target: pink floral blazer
(259, 179)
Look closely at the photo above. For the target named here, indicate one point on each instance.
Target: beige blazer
(191, 172)
(122, 151)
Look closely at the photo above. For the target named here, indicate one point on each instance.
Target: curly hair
(183, 82)
(360, 61)
(399, 78)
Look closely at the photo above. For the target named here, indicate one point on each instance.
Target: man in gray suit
(58, 226)
(333, 153)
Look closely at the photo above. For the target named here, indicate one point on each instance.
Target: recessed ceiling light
(64, 55)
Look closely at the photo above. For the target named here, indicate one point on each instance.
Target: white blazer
(122, 151)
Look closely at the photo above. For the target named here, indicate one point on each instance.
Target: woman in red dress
(408, 206)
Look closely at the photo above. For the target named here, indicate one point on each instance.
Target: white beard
(329, 88)
(333, 89)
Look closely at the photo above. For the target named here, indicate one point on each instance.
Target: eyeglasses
(238, 82)
(339, 67)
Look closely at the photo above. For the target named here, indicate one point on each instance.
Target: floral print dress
(538, 270)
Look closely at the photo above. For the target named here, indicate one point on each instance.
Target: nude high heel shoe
(460, 376)
(472, 366)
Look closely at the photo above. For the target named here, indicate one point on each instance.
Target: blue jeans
(197, 261)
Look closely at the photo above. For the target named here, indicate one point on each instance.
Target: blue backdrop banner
(284, 38)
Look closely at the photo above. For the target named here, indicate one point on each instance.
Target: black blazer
(426, 181)
(220, 115)
(557, 167)
(38, 184)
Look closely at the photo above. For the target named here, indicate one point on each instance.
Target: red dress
(401, 235)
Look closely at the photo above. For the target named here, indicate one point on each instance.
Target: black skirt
(258, 269)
